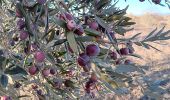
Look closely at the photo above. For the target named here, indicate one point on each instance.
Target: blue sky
(138, 8)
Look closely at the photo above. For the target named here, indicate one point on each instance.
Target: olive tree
(68, 49)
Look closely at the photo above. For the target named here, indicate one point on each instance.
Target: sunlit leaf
(109, 80)
(127, 68)
(151, 33)
(72, 42)
(136, 35)
(51, 36)
(136, 55)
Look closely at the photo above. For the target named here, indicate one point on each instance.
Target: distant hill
(145, 24)
(150, 21)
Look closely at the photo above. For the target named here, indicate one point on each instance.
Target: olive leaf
(136, 55)
(92, 32)
(4, 80)
(152, 37)
(59, 22)
(127, 68)
(111, 82)
(72, 42)
(51, 36)
(11, 12)
(2, 59)
(108, 81)
(15, 70)
(27, 19)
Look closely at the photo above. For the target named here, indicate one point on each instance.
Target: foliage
(51, 42)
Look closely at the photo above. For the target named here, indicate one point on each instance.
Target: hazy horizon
(138, 8)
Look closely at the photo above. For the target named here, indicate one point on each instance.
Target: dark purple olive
(45, 72)
(92, 50)
(18, 14)
(68, 83)
(102, 28)
(39, 92)
(70, 50)
(65, 16)
(32, 70)
(33, 47)
(34, 87)
(93, 25)
(79, 30)
(57, 83)
(68, 16)
(156, 1)
(15, 37)
(1, 52)
(52, 71)
(83, 59)
(130, 43)
(127, 62)
(93, 77)
(20, 24)
(86, 20)
(124, 51)
(131, 50)
(118, 62)
(12, 42)
(112, 34)
(88, 85)
(17, 85)
(26, 50)
(23, 35)
(41, 1)
(113, 55)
